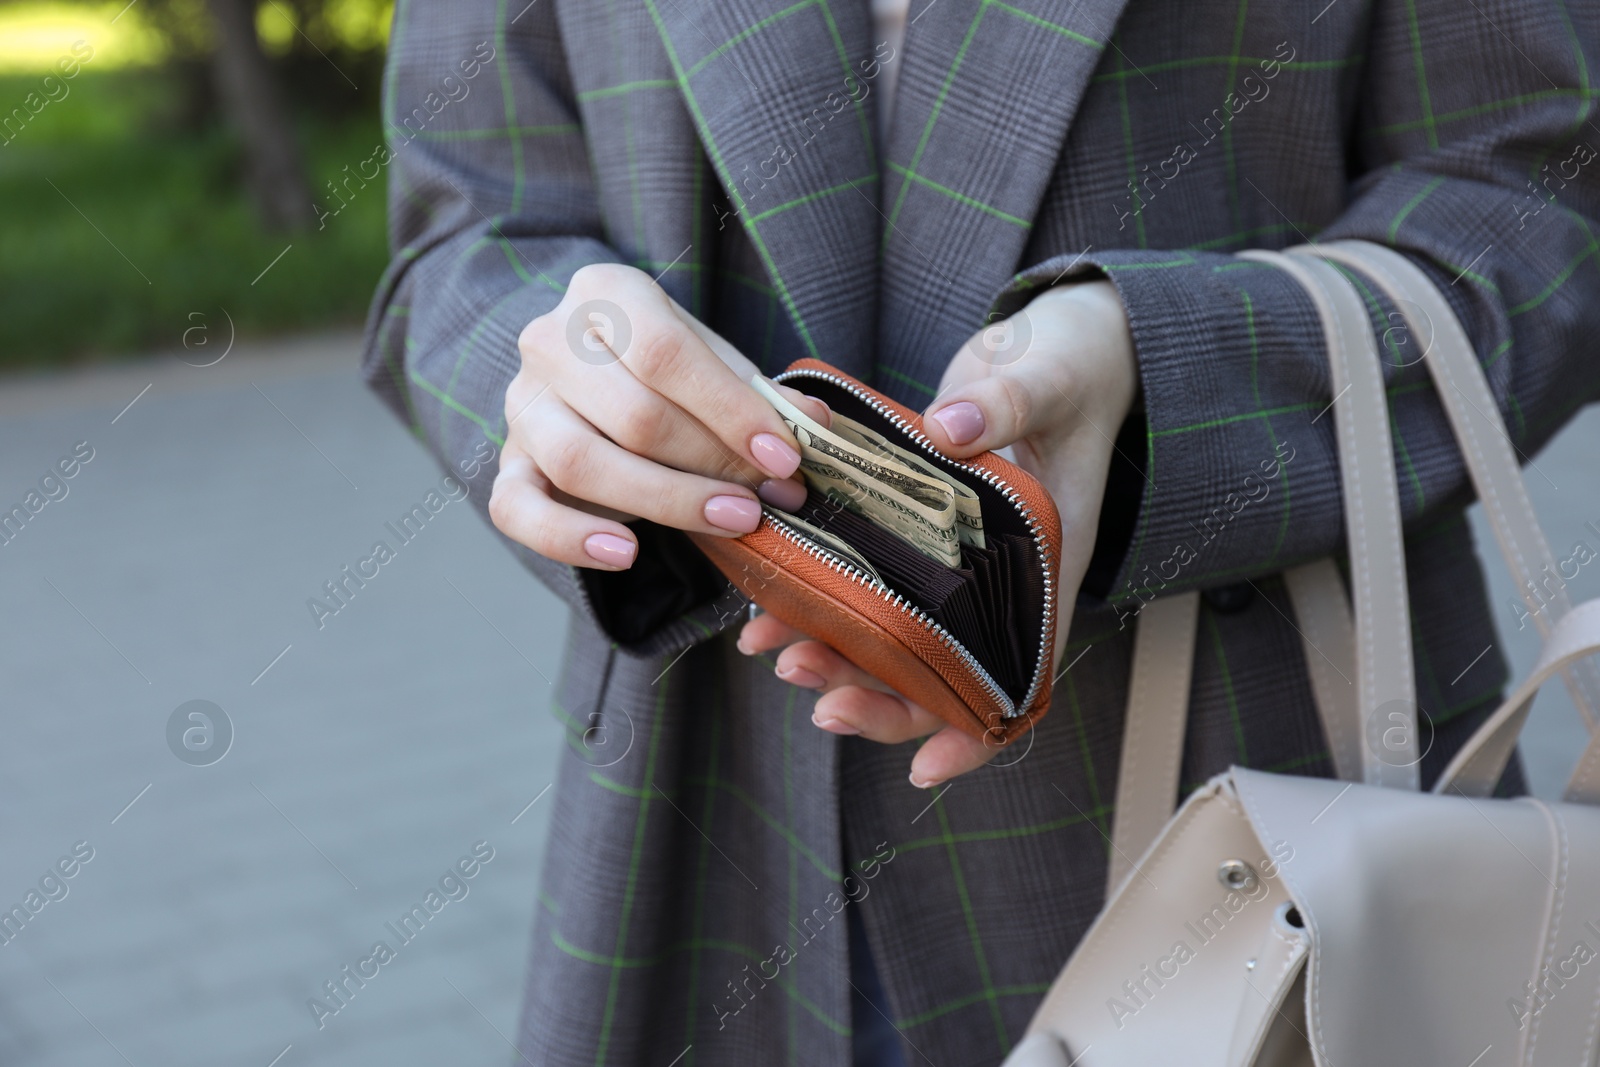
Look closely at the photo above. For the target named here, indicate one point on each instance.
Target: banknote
(920, 509)
(825, 539)
(969, 514)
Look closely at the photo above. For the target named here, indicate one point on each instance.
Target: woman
(608, 216)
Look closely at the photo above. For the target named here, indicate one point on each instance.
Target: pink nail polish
(773, 455)
(610, 549)
(803, 678)
(962, 422)
(923, 785)
(784, 493)
(736, 513)
(836, 726)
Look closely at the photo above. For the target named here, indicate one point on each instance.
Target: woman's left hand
(1055, 382)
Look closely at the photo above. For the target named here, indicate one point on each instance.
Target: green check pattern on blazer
(702, 824)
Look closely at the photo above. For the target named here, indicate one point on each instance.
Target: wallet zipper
(1009, 709)
(838, 563)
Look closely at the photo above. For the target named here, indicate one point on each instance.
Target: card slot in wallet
(972, 602)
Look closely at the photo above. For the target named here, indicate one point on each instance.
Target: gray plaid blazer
(707, 837)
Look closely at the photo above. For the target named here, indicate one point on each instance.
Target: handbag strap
(1148, 779)
(1328, 640)
(1386, 711)
(1152, 738)
(1477, 767)
(1474, 416)
(1464, 392)
(1163, 655)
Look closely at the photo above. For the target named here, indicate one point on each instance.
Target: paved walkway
(368, 758)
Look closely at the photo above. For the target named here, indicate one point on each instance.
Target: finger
(725, 351)
(649, 425)
(1000, 385)
(746, 369)
(583, 371)
(521, 508)
(524, 391)
(853, 701)
(882, 717)
(890, 719)
(765, 633)
(856, 703)
(993, 407)
(949, 753)
(579, 460)
(588, 507)
(1035, 373)
(818, 410)
(983, 355)
(669, 355)
(814, 665)
(625, 409)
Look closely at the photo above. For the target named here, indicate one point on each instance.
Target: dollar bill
(969, 513)
(919, 509)
(827, 540)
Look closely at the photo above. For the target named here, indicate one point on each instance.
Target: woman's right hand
(628, 407)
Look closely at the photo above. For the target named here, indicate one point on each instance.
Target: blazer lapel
(984, 102)
(777, 95)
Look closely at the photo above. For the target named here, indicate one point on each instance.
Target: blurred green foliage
(125, 209)
(149, 32)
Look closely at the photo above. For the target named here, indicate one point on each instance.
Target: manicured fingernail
(736, 513)
(921, 784)
(962, 422)
(836, 726)
(773, 455)
(740, 645)
(827, 412)
(803, 678)
(610, 549)
(785, 493)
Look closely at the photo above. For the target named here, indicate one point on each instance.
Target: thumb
(995, 392)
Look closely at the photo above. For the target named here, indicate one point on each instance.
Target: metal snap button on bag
(1283, 921)
(1237, 874)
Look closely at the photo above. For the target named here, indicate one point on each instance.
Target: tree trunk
(255, 107)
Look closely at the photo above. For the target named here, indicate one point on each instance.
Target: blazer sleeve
(1237, 475)
(492, 209)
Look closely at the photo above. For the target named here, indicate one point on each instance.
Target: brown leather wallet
(973, 644)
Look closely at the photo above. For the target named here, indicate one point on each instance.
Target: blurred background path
(366, 760)
(368, 756)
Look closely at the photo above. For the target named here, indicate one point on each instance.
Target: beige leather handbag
(1278, 920)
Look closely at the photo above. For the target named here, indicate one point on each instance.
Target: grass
(117, 226)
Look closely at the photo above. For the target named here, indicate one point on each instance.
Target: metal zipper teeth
(995, 482)
(849, 570)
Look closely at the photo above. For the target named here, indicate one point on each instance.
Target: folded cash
(969, 515)
(825, 539)
(919, 508)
